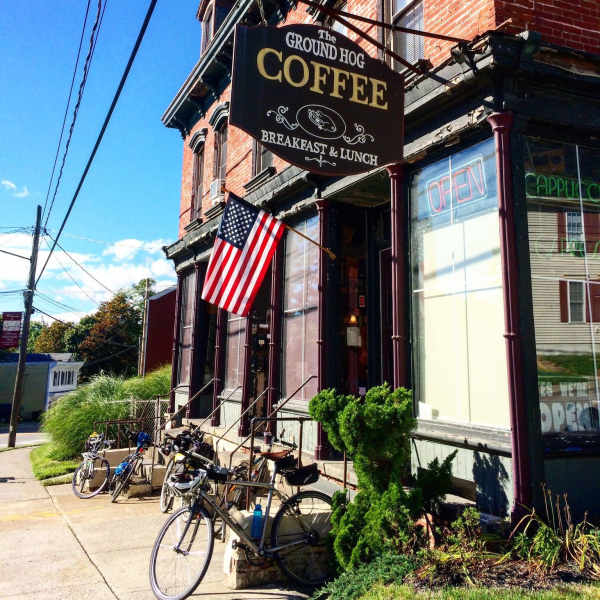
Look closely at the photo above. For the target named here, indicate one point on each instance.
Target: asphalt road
(27, 433)
(58, 547)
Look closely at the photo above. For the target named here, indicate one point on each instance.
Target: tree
(136, 294)
(112, 342)
(52, 339)
(34, 331)
(75, 336)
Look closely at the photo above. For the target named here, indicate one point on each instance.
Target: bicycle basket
(303, 476)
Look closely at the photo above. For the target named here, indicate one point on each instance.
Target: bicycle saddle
(275, 455)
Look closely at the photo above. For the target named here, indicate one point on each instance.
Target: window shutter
(564, 301)
(591, 224)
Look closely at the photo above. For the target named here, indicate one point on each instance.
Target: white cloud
(124, 249)
(23, 193)
(12, 187)
(67, 317)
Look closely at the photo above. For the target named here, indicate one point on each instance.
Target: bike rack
(187, 404)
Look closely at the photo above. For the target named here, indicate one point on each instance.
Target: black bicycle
(131, 465)
(93, 473)
(183, 548)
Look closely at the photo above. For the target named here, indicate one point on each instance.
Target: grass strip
(7, 449)
(44, 466)
(60, 480)
(406, 592)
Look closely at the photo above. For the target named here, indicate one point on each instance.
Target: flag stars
(237, 223)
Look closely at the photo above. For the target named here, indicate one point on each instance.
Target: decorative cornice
(218, 114)
(198, 139)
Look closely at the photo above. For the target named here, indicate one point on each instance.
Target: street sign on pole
(11, 329)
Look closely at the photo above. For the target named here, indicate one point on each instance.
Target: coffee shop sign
(318, 100)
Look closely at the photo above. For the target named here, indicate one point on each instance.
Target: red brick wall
(572, 23)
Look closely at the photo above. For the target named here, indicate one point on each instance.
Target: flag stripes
(235, 272)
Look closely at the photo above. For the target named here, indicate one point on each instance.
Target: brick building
(466, 273)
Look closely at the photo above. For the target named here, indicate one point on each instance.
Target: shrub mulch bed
(491, 573)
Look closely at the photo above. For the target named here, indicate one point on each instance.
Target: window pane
(408, 46)
(300, 305)
(234, 351)
(563, 234)
(185, 327)
(458, 314)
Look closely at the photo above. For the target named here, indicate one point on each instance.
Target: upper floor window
(261, 158)
(207, 28)
(220, 154)
(197, 178)
(408, 13)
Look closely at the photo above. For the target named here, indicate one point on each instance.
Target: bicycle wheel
(166, 495)
(303, 518)
(181, 553)
(120, 484)
(85, 474)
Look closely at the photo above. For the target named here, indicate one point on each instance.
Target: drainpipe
(399, 228)
(175, 357)
(501, 124)
(219, 364)
(274, 338)
(321, 447)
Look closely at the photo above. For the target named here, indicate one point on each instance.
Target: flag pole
(329, 252)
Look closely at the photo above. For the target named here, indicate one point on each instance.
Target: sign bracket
(418, 69)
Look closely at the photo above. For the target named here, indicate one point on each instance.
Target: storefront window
(186, 326)
(563, 210)
(300, 311)
(458, 315)
(234, 351)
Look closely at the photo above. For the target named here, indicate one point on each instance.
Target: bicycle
(130, 465)
(183, 548)
(92, 463)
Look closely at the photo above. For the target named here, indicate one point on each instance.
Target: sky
(128, 207)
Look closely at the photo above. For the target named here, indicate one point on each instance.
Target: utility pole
(18, 390)
(143, 337)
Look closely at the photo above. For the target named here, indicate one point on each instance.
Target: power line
(79, 265)
(62, 129)
(103, 129)
(45, 313)
(12, 291)
(86, 68)
(57, 303)
(71, 277)
(13, 254)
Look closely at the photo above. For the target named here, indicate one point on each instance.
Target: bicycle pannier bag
(303, 476)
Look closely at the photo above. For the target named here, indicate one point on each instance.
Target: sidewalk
(58, 547)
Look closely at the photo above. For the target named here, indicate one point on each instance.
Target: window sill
(214, 211)
(260, 179)
(491, 440)
(194, 224)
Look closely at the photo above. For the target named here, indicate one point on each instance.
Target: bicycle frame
(259, 548)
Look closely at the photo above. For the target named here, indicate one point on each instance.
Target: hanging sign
(11, 328)
(316, 99)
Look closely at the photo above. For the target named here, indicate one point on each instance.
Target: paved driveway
(58, 547)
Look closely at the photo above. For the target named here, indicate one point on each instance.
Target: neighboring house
(35, 384)
(157, 341)
(438, 284)
(63, 376)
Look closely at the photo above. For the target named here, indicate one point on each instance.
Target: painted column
(321, 447)
(501, 124)
(273, 382)
(244, 428)
(219, 363)
(175, 359)
(399, 258)
(199, 335)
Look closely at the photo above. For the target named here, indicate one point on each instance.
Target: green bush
(374, 432)
(385, 569)
(72, 417)
(44, 465)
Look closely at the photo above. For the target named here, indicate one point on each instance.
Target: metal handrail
(217, 408)
(279, 407)
(170, 419)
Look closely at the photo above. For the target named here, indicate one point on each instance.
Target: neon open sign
(460, 186)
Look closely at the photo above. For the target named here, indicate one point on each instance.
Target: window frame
(583, 303)
(395, 19)
(258, 154)
(208, 22)
(197, 181)
(220, 150)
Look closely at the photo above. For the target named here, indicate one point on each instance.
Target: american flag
(244, 246)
